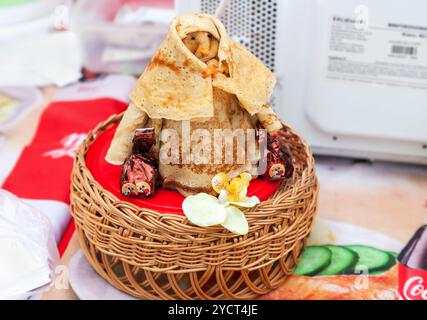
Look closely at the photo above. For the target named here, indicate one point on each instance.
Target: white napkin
(28, 252)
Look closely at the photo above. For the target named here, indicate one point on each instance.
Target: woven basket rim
(111, 121)
(148, 224)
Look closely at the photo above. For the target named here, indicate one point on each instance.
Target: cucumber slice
(393, 262)
(371, 258)
(343, 261)
(313, 260)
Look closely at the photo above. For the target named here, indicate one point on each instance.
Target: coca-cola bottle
(413, 268)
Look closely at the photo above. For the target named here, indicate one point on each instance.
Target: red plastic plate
(164, 201)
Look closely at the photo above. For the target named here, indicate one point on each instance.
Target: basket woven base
(151, 255)
(211, 284)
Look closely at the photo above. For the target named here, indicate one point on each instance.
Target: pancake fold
(178, 86)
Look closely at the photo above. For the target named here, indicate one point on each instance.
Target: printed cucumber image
(330, 260)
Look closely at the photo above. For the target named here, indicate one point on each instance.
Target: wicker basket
(162, 256)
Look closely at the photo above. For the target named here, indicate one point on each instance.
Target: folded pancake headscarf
(173, 86)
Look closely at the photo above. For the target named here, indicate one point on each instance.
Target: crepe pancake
(121, 146)
(196, 178)
(269, 120)
(173, 86)
(178, 86)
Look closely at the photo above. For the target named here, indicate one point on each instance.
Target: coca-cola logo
(414, 289)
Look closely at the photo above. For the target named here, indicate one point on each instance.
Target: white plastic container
(114, 47)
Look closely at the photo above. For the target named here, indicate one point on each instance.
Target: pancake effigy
(199, 79)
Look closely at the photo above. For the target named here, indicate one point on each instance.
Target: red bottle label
(412, 283)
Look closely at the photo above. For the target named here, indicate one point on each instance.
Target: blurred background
(352, 80)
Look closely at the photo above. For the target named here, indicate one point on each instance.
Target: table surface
(358, 211)
(387, 198)
(395, 207)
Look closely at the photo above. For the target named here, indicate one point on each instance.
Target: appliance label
(391, 54)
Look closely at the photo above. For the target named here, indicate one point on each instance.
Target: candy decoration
(143, 140)
(129, 189)
(139, 176)
(139, 172)
(279, 159)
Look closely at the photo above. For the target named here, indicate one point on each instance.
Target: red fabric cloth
(44, 167)
(39, 176)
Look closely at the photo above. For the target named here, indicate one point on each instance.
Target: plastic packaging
(120, 36)
(28, 251)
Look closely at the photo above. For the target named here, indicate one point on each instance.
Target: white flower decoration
(204, 210)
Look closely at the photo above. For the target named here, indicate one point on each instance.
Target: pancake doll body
(199, 84)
